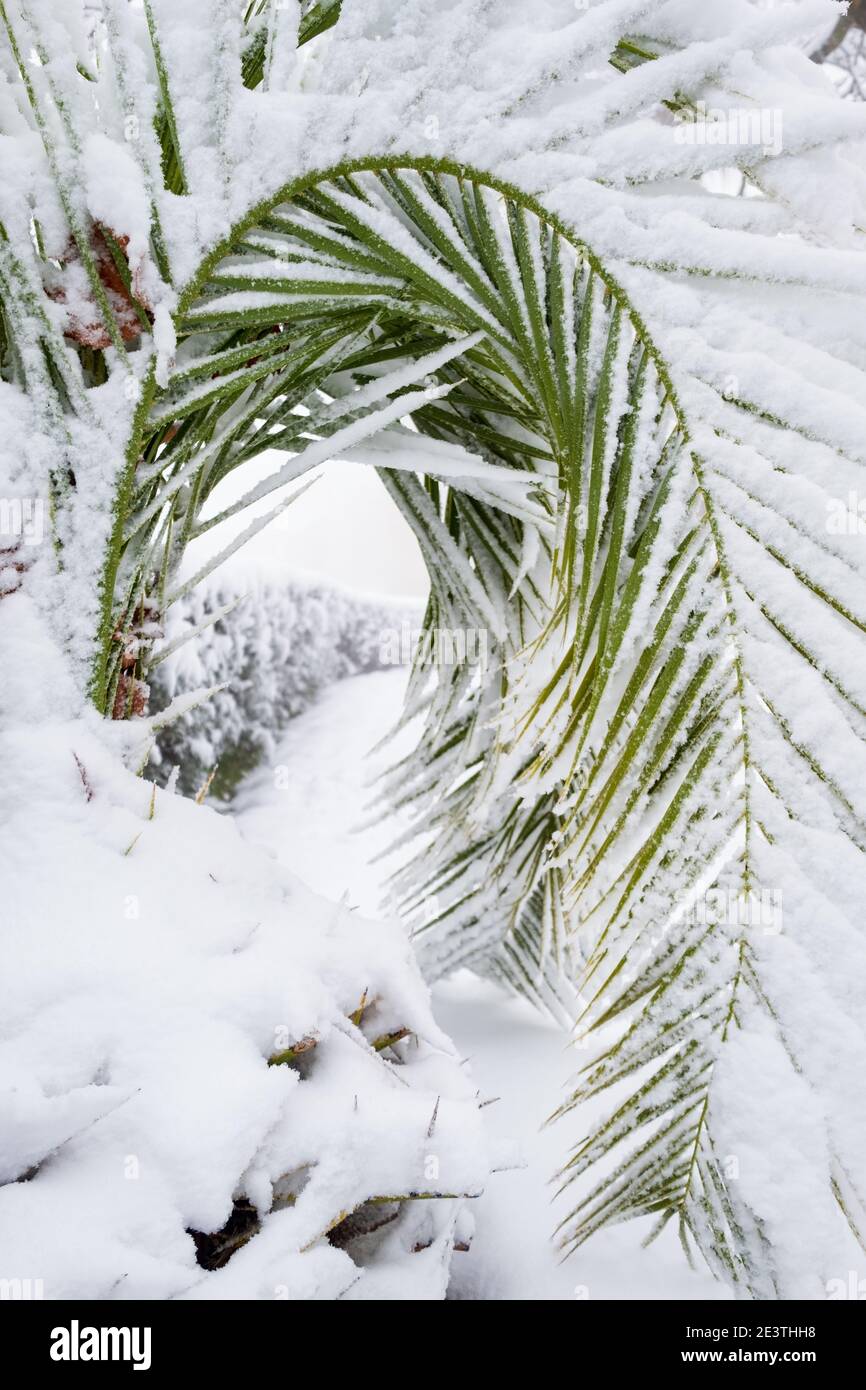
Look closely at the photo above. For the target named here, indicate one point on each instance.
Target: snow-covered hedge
(214, 1084)
(275, 646)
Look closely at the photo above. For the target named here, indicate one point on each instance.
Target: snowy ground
(305, 807)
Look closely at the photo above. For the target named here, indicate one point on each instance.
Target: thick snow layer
(153, 960)
(320, 775)
(307, 806)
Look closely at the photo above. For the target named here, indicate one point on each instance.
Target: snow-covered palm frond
(619, 408)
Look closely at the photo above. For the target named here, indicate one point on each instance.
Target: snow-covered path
(307, 803)
(304, 806)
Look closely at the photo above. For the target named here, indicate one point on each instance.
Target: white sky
(345, 528)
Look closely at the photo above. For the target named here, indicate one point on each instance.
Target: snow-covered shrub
(213, 1084)
(275, 645)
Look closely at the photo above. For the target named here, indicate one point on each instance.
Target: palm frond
(587, 385)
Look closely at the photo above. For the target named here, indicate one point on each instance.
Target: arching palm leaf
(667, 731)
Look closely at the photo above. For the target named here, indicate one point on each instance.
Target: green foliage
(647, 594)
